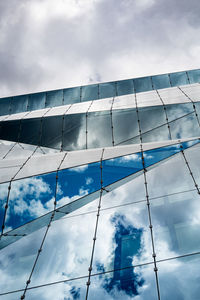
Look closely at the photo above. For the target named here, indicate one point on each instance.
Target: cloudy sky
(48, 44)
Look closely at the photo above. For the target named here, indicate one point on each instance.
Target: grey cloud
(108, 40)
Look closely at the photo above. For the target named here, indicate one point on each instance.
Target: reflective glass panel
(74, 289)
(52, 132)
(67, 250)
(142, 84)
(151, 117)
(5, 106)
(127, 241)
(161, 81)
(29, 199)
(134, 283)
(19, 104)
(125, 125)
(192, 156)
(172, 176)
(194, 76)
(89, 92)
(36, 101)
(125, 87)
(120, 167)
(99, 129)
(78, 182)
(54, 98)
(179, 278)
(185, 127)
(72, 95)
(74, 132)
(175, 224)
(175, 111)
(179, 78)
(16, 262)
(107, 90)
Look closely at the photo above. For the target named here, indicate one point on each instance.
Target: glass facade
(99, 191)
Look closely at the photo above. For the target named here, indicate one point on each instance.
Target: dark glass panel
(74, 132)
(54, 98)
(194, 76)
(36, 101)
(99, 129)
(125, 125)
(179, 78)
(52, 132)
(107, 90)
(161, 81)
(125, 87)
(142, 84)
(89, 92)
(19, 104)
(72, 95)
(30, 131)
(10, 130)
(5, 106)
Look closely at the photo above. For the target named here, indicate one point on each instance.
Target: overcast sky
(48, 44)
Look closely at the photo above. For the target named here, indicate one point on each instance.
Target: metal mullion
(86, 125)
(165, 111)
(111, 119)
(148, 204)
(46, 231)
(193, 103)
(96, 226)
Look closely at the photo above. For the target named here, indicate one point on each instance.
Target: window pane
(107, 90)
(30, 131)
(176, 111)
(151, 117)
(10, 130)
(71, 95)
(19, 104)
(52, 132)
(54, 98)
(99, 129)
(29, 199)
(179, 278)
(125, 87)
(161, 81)
(5, 106)
(36, 101)
(185, 127)
(142, 84)
(179, 78)
(74, 132)
(125, 125)
(194, 76)
(89, 92)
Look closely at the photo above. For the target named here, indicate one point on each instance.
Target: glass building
(99, 191)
